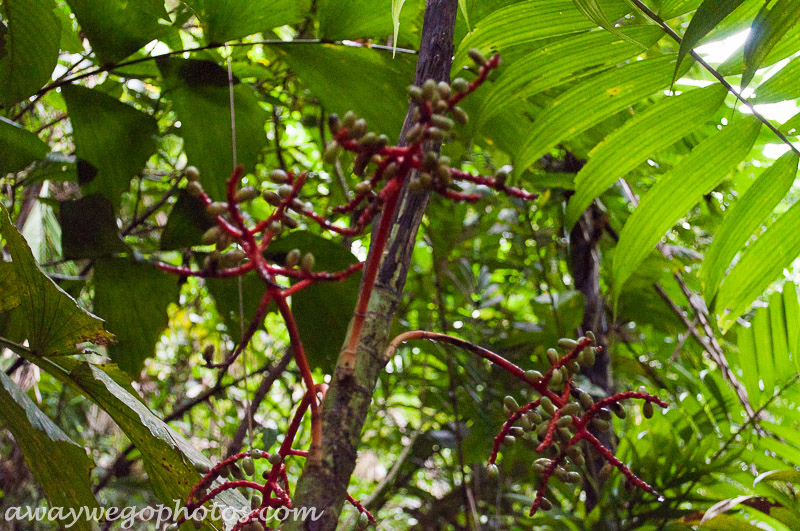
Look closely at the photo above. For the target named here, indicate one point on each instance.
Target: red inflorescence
(241, 247)
(560, 418)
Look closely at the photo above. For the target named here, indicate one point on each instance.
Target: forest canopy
(441, 264)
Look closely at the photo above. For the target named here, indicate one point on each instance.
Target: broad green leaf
(366, 81)
(133, 297)
(791, 309)
(526, 22)
(674, 194)
(780, 346)
(112, 140)
(70, 40)
(186, 223)
(773, 21)
(761, 263)
(559, 62)
(169, 459)
(226, 20)
(89, 228)
(786, 47)
(322, 311)
(117, 29)
(225, 292)
(675, 8)
(358, 19)
(58, 464)
(782, 86)
(200, 97)
(592, 10)
(606, 94)
(29, 51)
(462, 6)
(655, 128)
(746, 215)
(707, 17)
(51, 320)
(762, 335)
(748, 361)
(18, 147)
(791, 126)
(787, 476)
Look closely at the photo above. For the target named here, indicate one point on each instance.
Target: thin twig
(110, 67)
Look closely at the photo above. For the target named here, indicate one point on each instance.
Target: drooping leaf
(675, 193)
(526, 22)
(117, 29)
(58, 464)
(789, 476)
(748, 361)
(780, 346)
(51, 320)
(112, 140)
(30, 50)
(762, 334)
(706, 18)
(397, 7)
(791, 310)
(717, 509)
(560, 62)
(18, 147)
(744, 218)
(89, 228)
(169, 459)
(770, 25)
(592, 10)
(133, 297)
(226, 20)
(322, 311)
(782, 86)
(606, 94)
(186, 223)
(655, 128)
(786, 47)
(358, 19)
(761, 264)
(200, 97)
(338, 76)
(462, 6)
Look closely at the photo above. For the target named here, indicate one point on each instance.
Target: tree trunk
(324, 486)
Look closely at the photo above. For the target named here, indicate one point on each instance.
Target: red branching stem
(498, 441)
(611, 458)
(449, 193)
(614, 399)
(219, 273)
(391, 192)
(357, 504)
(490, 65)
(548, 472)
(305, 372)
(255, 323)
(493, 183)
(496, 359)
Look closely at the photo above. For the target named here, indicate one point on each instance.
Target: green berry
(192, 173)
(292, 258)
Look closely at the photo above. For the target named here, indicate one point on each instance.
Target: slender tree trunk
(347, 402)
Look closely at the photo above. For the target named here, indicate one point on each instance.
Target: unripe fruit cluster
(560, 419)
